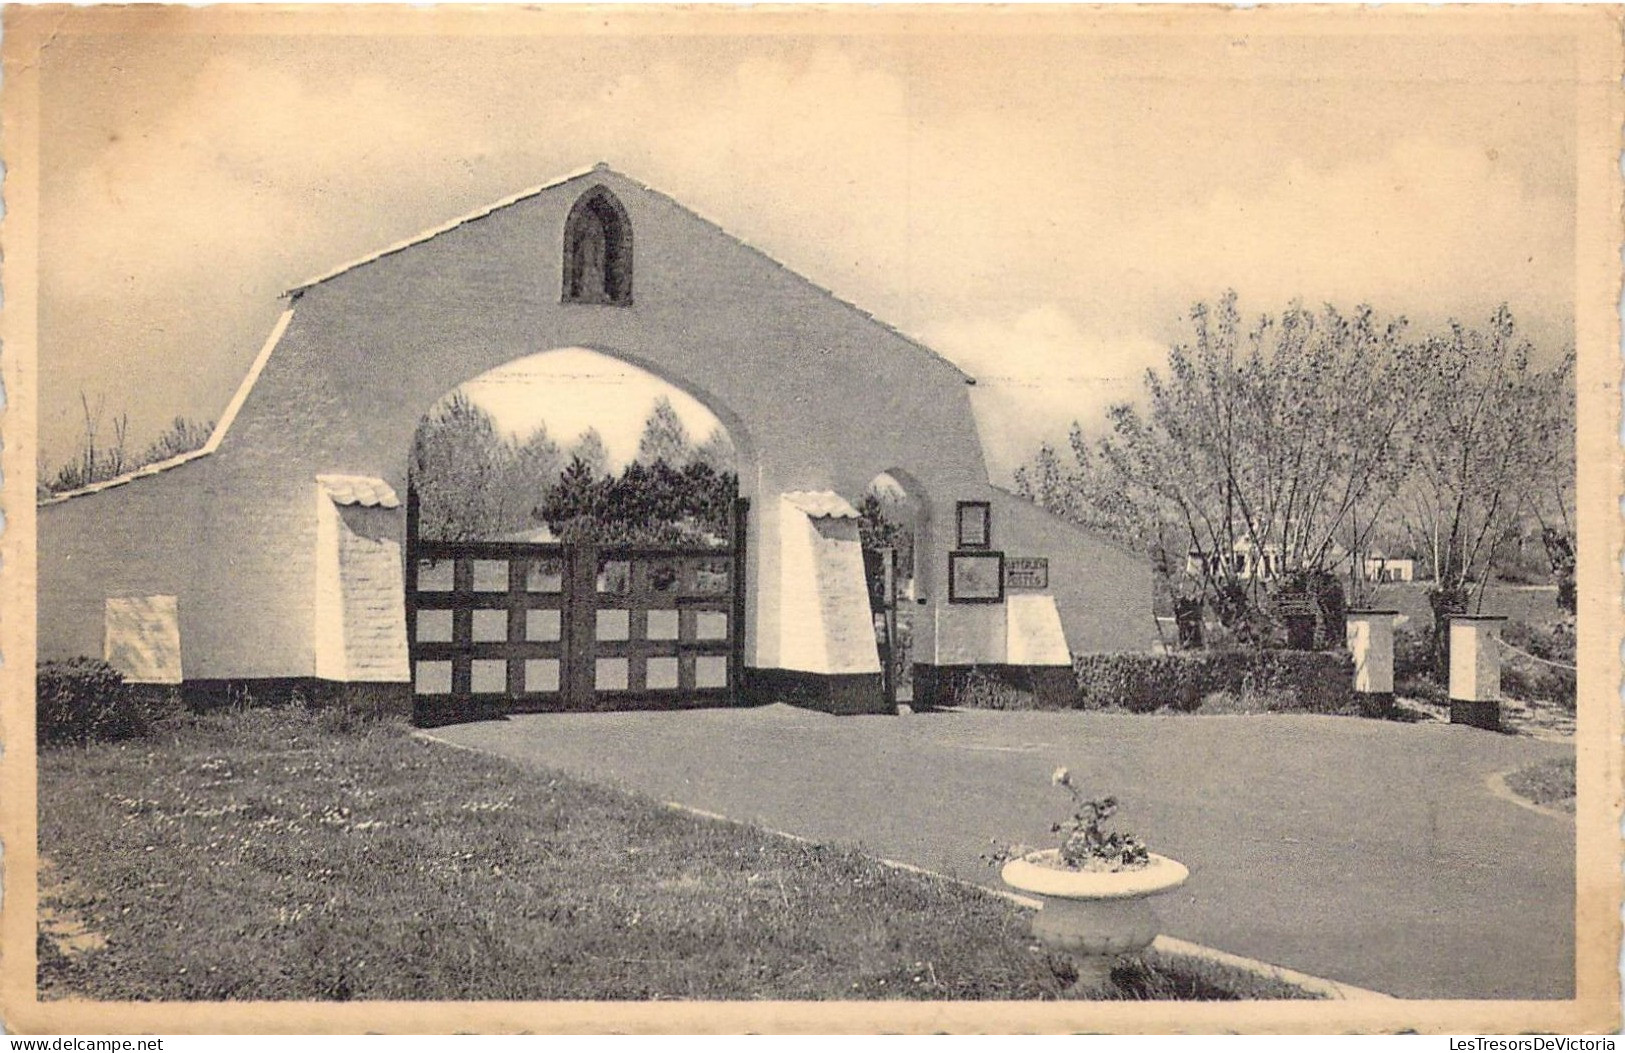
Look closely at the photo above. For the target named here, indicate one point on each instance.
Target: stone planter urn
(1093, 916)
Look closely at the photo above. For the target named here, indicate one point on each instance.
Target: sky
(565, 390)
(1042, 208)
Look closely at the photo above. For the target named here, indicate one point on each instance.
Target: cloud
(248, 168)
(1422, 228)
(1048, 228)
(804, 155)
(170, 237)
(1036, 373)
(172, 234)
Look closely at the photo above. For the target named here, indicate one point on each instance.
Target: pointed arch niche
(598, 251)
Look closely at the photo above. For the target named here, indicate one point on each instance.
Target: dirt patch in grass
(60, 924)
(1549, 784)
(268, 855)
(1548, 722)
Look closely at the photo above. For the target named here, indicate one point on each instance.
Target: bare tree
(717, 451)
(461, 467)
(533, 469)
(1492, 437)
(183, 436)
(97, 461)
(1260, 448)
(1553, 502)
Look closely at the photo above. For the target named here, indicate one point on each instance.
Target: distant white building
(1245, 561)
(1384, 569)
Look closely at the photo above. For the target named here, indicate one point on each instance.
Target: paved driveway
(1362, 851)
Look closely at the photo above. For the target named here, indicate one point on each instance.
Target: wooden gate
(516, 627)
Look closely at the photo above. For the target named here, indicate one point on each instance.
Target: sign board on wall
(1026, 572)
(143, 638)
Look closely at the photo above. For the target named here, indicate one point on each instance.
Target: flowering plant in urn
(1094, 887)
(1086, 845)
(1085, 842)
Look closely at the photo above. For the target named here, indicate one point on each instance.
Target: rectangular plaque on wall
(1026, 572)
(975, 526)
(976, 577)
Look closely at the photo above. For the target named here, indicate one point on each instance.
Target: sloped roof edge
(781, 265)
(514, 199)
(443, 228)
(128, 477)
(215, 437)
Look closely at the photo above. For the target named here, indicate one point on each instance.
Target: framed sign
(1026, 572)
(975, 524)
(976, 577)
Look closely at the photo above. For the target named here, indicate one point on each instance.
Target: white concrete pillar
(1371, 642)
(1035, 644)
(827, 658)
(1033, 632)
(1475, 670)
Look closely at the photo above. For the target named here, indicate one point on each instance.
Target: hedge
(1300, 681)
(83, 700)
(1187, 681)
(992, 687)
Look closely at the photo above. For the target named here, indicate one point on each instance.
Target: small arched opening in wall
(575, 540)
(894, 530)
(598, 251)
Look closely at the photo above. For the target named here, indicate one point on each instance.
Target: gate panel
(488, 627)
(510, 627)
(663, 627)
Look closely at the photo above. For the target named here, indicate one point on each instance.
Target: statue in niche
(597, 252)
(589, 281)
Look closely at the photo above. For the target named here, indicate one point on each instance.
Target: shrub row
(84, 700)
(1555, 642)
(1414, 673)
(1302, 681)
(1413, 655)
(1530, 682)
(1209, 681)
(988, 688)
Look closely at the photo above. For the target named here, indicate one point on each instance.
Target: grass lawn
(279, 854)
(1549, 783)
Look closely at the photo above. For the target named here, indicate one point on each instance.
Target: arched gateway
(500, 620)
(283, 542)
